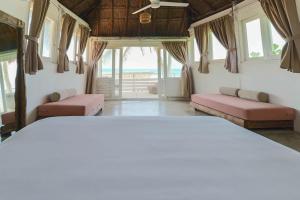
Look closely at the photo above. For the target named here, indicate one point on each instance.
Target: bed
(145, 158)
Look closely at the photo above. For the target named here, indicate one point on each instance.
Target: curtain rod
(223, 13)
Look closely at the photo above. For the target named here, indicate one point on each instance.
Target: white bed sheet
(145, 158)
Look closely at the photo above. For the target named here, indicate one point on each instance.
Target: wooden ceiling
(113, 18)
(8, 38)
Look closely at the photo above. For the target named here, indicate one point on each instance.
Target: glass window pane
(106, 63)
(47, 38)
(174, 67)
(254, 39)
(218, 51)
(29, 22)
(277, 42)
(85, 55)
(8, 68)
(162, 64)
(196, 51)
(71, 50)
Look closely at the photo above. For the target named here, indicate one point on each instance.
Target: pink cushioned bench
(247, 113)
(80, 105)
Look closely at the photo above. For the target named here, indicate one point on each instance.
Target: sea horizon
(140, 70)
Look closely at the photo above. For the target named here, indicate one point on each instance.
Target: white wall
(47, 80)
(262, 75)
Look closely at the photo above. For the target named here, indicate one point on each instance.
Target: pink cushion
(8, 118)
(245, 109)
(81, 105)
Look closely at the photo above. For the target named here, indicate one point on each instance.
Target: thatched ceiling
(113, 17)
(8, 38)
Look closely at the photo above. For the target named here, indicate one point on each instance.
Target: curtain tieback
(292, 38)
(31, 38)
(232, 49)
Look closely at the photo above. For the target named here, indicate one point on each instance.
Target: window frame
(193, 48)
(270, 38)
(210, 49)
(100, 63)
(75, 38)
(266, 36)
(85, 54)
(169, 57)
(245, 37)
(41, 39)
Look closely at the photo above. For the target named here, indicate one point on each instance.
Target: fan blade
(174, 4)
(140, 10)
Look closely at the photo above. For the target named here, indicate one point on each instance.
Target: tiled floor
(180, 108)
(148, 108)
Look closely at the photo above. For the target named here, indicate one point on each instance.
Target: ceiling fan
(157, 4)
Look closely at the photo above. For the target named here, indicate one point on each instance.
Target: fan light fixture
(154, 4)
(145, 18)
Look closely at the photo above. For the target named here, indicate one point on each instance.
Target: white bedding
(145, 158)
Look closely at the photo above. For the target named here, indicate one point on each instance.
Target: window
(71, 50)
(162, 63)
(30, 17)
(84, 56)
(8, 69)
(174, 67)
(47, 38)
(218, 51)
(254, 39)
(196, 52)
(277, 41)
(106, 64)
(262, 39)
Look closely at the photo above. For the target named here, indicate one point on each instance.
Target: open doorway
(140, 73)
(136, 72)
(129, 73)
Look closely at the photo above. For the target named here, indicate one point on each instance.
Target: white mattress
(145, 158)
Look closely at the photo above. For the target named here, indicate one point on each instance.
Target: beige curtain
(97, 51)
(20, 91)
(33, 61)
(179, 50)
(223, 29)
(283, 15)
(84, 36)
(201, 35)
(65, 40)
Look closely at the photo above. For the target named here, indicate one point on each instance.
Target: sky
(135, 58)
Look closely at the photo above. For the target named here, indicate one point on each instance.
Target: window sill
(262, 60)
(218, 61)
